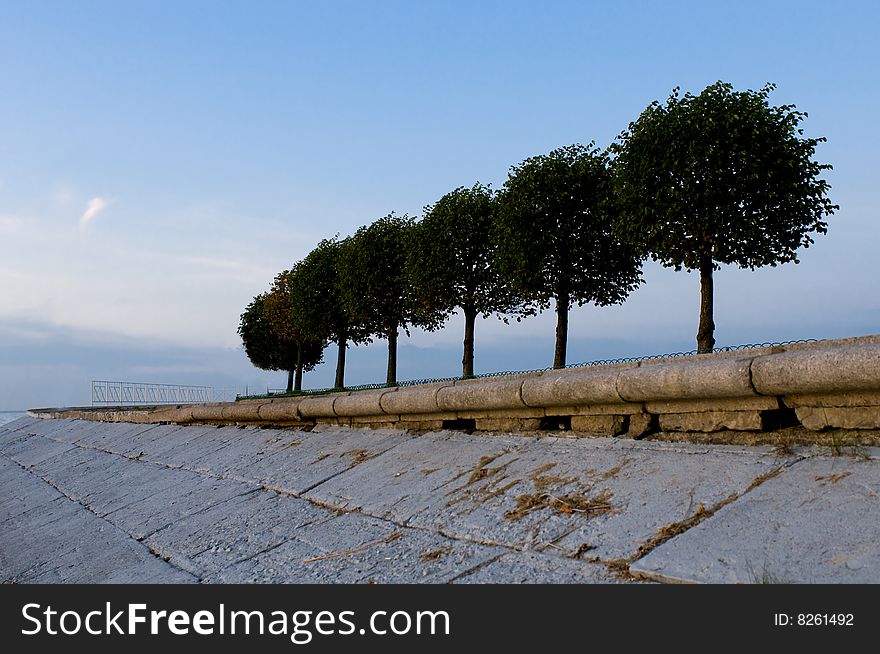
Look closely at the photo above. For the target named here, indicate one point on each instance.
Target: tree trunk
(391, 378)
(290, 379)
(298, 381)
(340, 363)
(706, 330)
(467, 360)
(562, 305)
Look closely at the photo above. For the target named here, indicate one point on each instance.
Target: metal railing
(130, 393)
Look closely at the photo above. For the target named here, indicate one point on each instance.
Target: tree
(453, 265)
(555, 239)
(287, 319)
(320, 291)
(719, 178)
(269, 351)
(375, 283)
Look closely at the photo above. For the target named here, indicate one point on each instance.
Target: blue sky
(161, 161)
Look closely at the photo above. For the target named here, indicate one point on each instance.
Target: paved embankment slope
(92, 501)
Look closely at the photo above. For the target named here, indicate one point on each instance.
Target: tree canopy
(268, 350)
(320, 292)
(261, 345)
(721, 177)
(375, 284)
(554, 235)
(453, 263)
(288, 318)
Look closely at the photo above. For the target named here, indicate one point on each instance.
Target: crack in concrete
(621, 566)
(475, 568)
(201, 511)
(341, 472)
(263, 551)
(112, 524)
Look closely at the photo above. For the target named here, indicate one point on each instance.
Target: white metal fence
(129, 393)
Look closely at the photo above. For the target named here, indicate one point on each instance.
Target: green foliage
(453, 256)
(554, 231)
(320, 293)
(374, 282)
(288, 317)
(723, 175)
(261, 344)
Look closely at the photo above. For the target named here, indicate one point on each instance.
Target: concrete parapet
(824, 385)
(179, 414)
(280, 409)
(476, 395)
(413, 399)
(605, 425)
(366, 420)
(319, 406)
(326, 420)
(712, 421)
(573, 387)
(436, 415)
(756, 403)
(819, 418)
(856, 399)
(213, 411)
(687, 380)
(850, 341)
(503, 413)
(361, 403)
(244, 411)
(820, 370)
(595, 409)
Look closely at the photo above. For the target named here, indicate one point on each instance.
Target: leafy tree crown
(453, 255)
(321, 294)
(263, 346)
(374, 276)
(722, 174)
(554, 230)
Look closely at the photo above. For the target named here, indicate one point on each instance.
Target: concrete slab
(340, 505)
(59, 541)
(161, 445)
(31, 450)
(79, 471)
(817, 522)
(180, 451)
(418, 475)
(113, 437)
(67, 431)
(230, 450)
(23, 423)
(17, 498)
(237, 530)
(358, 549)
(192, 495)
(606, 494)
(301, 460)
(538, 568)
(16, 424)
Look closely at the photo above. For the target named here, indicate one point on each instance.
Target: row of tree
(701, 180)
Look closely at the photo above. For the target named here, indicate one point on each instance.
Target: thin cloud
(10, 224)
(94, 207)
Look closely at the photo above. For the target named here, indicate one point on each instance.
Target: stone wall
(823, 385)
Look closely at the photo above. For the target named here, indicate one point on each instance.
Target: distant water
(9, 416)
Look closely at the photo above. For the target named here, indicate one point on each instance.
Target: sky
(160, 162)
